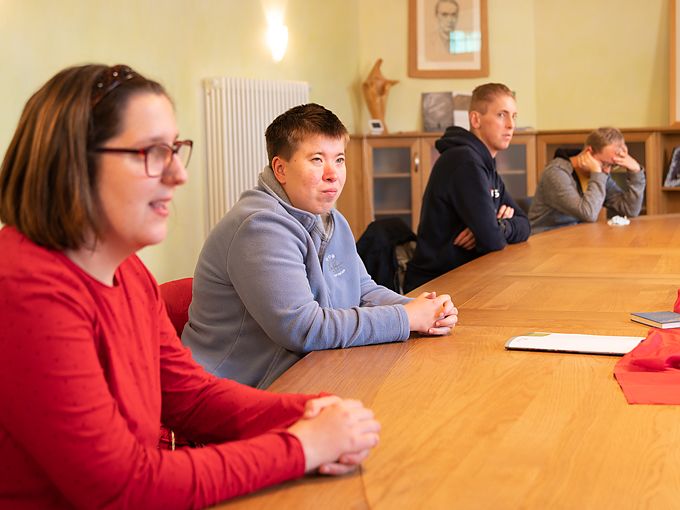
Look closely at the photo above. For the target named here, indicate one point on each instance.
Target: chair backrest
(177, 297)
(524, 203)
(386, 247)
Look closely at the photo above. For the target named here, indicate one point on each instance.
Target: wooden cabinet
(645, 145)
(666, 200)
(399, 168)
(517, 165)
(387, 175)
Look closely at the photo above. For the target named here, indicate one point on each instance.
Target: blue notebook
(663, 320)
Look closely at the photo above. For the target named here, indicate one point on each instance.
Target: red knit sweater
(87, 373)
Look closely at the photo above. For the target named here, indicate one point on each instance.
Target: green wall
(602, 63)
(384, 34)
(574, 64)
(178, 42)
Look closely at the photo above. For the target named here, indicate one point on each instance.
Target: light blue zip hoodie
(271, 285)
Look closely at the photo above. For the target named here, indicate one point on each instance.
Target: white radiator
(237, 113)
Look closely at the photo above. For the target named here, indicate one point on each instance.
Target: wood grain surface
(469, 425)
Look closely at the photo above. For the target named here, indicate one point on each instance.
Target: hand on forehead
(613, 150)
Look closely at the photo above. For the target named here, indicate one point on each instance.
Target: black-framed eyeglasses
(157, 157)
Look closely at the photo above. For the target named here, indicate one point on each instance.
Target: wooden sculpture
(376, 87)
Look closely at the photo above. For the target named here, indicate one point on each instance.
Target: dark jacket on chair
(377, 247)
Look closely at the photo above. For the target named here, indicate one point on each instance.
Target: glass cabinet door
(395, 178)
(512, 165)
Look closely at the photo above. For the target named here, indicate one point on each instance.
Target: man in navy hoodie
(466, 210)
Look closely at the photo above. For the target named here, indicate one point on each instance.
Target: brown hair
(485, 94)
(602, 137)
(287, 130)
(48, 178)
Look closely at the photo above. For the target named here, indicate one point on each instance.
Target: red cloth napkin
(650, 373)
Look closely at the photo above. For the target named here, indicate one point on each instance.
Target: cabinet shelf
(393, 175)
(388, 182)
(513, 172)
(394, 170)
(392, 212)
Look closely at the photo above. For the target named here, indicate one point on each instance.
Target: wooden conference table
(467, 424)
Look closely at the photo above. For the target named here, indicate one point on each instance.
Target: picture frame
(672, 179)
(464, 53)
(437, 110)
(674, 67)
(443, 109)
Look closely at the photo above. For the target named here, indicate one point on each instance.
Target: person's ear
(475, 119)
(279, 168)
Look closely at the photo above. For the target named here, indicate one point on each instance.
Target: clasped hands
(336, 434)
(466, 239)
(431, 314)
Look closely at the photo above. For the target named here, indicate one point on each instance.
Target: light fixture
(277, 35)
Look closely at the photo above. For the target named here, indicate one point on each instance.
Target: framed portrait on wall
(448, 39)
(674, 52)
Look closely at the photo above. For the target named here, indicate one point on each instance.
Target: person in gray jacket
(576, 185)
(279, 275)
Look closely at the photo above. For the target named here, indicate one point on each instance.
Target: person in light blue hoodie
(279, 276)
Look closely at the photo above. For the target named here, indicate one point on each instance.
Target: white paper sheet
(576, 343)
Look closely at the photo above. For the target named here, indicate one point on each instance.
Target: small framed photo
(437, 110)
(448, 39)
(444, 109)
(673, 176)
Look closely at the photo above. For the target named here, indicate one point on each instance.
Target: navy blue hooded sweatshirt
(464, 190)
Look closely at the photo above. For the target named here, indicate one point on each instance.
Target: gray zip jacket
(271, 285)
(559, 200)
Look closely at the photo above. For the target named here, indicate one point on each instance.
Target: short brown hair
(287, 130)
(48, 178)
(602, 137)
(485, 94)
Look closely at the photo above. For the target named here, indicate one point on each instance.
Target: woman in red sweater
(89, 363)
